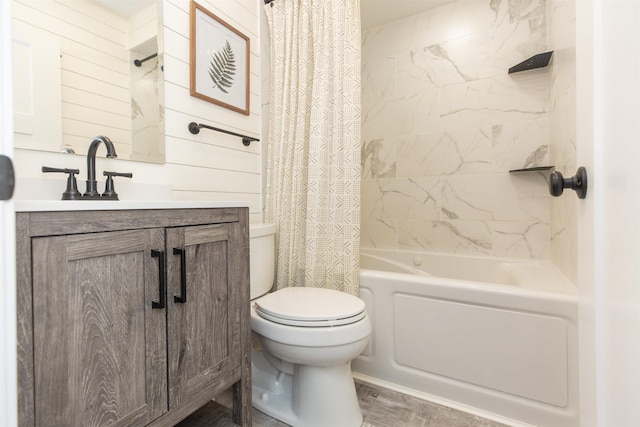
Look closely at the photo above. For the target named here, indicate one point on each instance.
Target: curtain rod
(267, 1)
(138, 62)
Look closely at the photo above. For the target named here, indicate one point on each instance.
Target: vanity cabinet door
(203, 324)
(99, 346)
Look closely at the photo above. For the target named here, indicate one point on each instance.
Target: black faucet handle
(123, 174)
(61, 170)
(109, 189)
(71, 193)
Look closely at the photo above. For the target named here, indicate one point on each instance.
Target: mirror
(75, 77)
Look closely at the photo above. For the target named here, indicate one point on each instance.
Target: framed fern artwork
(219, 61)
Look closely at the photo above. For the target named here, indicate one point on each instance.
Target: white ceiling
(124, 8)
(373, 12)
(377, 12)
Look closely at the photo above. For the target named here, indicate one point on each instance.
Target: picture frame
(219, 61)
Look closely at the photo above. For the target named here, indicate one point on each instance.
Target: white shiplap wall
(207, 166)
(210, 165)
(94, 67)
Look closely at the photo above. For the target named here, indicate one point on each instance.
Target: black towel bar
(194, 128)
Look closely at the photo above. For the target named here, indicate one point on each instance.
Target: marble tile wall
(562, 132)
(145, 111)
(443, 123)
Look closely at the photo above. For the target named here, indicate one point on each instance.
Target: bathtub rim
(569, 291)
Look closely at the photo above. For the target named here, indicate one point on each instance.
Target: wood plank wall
(207, 166)
(94, 65)
(210, 163)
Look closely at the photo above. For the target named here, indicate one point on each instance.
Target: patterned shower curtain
(313, 165)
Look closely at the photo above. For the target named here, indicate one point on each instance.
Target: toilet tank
(262, 245)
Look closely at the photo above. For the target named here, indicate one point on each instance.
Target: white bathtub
(494, 337)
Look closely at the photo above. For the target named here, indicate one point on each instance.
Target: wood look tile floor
(381, 407)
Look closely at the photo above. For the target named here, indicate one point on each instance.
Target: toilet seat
(310, 307)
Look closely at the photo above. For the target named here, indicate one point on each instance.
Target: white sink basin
(40, 195)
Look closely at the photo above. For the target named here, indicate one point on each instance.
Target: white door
(8, 383)
(608, 117)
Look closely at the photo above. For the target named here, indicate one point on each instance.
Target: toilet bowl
(304, 340)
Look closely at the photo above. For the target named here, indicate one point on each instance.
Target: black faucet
(92, 191)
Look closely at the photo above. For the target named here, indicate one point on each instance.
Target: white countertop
(105, 205)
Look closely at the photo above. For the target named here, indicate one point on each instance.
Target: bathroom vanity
(131, 317)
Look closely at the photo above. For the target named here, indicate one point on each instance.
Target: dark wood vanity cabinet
(99, 350)
(204, 326)
(131, 318)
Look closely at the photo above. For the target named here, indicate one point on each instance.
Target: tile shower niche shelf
(540, 60)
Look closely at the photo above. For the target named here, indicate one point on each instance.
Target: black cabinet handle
(161, 282)
(183, 276)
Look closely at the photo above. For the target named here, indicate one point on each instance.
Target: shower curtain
(313, 164)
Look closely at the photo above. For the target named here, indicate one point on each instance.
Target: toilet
(304, 340)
